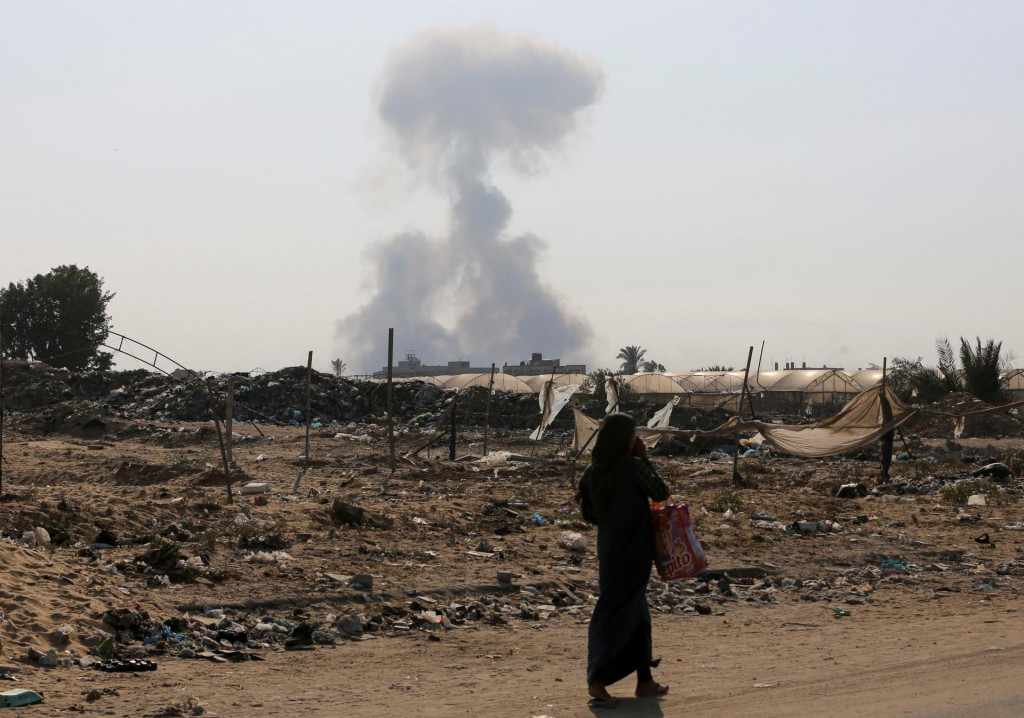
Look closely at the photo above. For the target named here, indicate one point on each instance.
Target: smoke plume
(455, 102)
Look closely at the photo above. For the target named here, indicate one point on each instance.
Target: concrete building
(412, 366)
(537, 364)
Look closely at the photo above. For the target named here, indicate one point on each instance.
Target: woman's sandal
(655, 690)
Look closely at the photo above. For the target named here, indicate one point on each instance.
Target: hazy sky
(841, 179)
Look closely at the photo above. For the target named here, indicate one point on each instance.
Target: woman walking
(614, 494)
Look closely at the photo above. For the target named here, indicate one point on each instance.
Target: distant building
(412, 366)
(537, 364)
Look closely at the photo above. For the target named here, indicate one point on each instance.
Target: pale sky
(840, 179)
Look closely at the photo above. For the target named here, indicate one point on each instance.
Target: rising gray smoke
(456, 101)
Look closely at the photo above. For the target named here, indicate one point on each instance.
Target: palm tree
(339, 367)
(981, 367)
(952, 377)
(631, 357)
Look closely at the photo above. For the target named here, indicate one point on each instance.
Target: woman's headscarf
(611, 449)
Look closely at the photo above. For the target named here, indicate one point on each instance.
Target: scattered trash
(255, 488)
(267, 557)
(812, 527)
(132, 665)
(852, 491)
(19, 697)
(998, 470)
(362, 580)
(572, 541)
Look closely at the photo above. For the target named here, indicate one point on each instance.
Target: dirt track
(777, 661)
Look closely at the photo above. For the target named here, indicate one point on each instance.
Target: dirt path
(787, 660)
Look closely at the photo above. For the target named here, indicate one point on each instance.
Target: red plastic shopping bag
(678, 553)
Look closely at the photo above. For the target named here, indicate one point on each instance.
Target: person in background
(614, 494)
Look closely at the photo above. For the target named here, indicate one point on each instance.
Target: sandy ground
(778, 661)
(938, 638)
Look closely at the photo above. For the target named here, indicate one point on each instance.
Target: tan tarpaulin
(861, 422)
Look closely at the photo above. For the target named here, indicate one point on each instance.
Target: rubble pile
(68, 402)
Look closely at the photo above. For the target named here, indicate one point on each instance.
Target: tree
(339, 366)
(952, 377)
(981, 367)
(977, 372)
(59, 318)
(651, 366)
(631, 357)
(911, 380)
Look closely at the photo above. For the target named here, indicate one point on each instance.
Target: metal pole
(309, 378)
(391, 409)
(487, 411)
(737, 479)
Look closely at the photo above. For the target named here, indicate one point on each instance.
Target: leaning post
(1, 405)
(220, 440)
(737, 479)
(887, 437)
(309, 377)
(229, 409)
(487, 410)
(391, 408)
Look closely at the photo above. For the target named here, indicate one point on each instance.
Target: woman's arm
(649, 481)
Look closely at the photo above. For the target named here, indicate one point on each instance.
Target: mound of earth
(935, 422)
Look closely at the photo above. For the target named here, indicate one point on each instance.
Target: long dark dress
(619, 636)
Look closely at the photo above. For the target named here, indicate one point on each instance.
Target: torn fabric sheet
(553, 400)
(663, 416)
(611, 390)
(585, 428)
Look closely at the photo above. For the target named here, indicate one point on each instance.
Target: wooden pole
(220, 440)
(1, 405)
(487, 411)
(451, 439)
(309, 382)
(229, 409)
(737, 479)
(887, 437)
(391, 408)
(757, 380)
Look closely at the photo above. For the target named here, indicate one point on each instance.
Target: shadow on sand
(648, 707)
